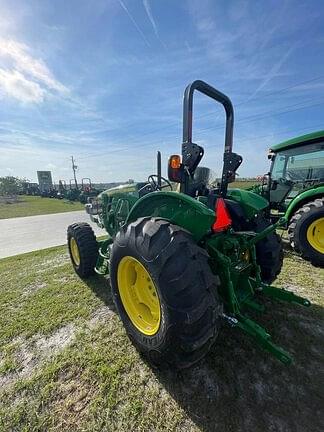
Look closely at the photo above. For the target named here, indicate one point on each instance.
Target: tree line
(10, 185)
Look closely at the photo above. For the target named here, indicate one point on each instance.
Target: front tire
(83, 248)
(306, 232)
(168, 261)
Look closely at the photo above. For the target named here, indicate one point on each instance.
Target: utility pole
(74, 167)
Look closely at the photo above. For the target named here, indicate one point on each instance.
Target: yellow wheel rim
(139, 295)
(74, 251)
(315, 235)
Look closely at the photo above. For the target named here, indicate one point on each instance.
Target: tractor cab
(296, 165)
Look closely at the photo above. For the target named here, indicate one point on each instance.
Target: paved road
(26, 234)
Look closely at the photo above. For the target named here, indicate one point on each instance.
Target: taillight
(223, 219)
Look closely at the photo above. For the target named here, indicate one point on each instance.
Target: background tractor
(87, 190)
(294, 188)
(183, 262)
(74, 192)
(62, 190)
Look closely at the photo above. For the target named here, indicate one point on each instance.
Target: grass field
(67, 365)
(33, 205)
(242, 184)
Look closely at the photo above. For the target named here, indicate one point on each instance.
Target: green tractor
(183, 262)
(87, 190)
(294, 188)
(62, 190)
(74, 192)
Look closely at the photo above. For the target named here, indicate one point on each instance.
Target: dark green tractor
(62, 190)
(74, 192)
(294, 188)
(183, 262)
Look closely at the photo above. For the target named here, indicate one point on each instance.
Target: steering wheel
(153, 180)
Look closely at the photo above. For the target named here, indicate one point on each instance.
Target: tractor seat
(198, 185)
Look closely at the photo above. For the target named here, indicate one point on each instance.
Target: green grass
(243, 184)
(66, 363)
(33, 205)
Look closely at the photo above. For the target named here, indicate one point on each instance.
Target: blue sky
(104, 81)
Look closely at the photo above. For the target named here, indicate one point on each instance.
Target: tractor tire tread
(269, 252)
(87, 246)
(293, 232)
(187, 290)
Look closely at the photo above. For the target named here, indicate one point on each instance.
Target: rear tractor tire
(269, 250)
(83, 248)
(165, 292)
(306, 232)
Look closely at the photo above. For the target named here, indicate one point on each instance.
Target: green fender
(178, 208)
(307, 195)
(251, 202)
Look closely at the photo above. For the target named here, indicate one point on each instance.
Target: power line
(267, 114)
(248, 119)
(276, 92)
(256, 138)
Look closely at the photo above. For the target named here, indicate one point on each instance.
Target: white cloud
(122, 4)
(150, 16)
(24, 62)
(51, 166)
(14, 84)
(25, 77)
(148, 10)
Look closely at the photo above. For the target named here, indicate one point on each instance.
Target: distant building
(45, 180)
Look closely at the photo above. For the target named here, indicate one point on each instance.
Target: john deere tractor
(74, 192)
(183, 262)
(294, 188)
(62, 190)
(87, 190)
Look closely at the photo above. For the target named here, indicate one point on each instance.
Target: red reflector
(223, 219)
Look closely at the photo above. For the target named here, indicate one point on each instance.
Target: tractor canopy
(297, 141)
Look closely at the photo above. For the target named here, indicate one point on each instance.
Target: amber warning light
(175, 161)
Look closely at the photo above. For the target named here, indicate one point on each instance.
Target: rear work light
(222, 217)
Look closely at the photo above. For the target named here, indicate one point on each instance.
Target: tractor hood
(128, 188)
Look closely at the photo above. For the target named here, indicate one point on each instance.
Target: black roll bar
(192, 153)
(210, 91)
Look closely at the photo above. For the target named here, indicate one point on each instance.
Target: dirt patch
(55, 343)
(30, 354)
(32, 288)
(56, 261)
(100, 316)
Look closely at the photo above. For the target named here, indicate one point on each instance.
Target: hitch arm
(284, 295)
(259, 236)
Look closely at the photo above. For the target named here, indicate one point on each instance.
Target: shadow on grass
(240, 387)
(100, 286)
